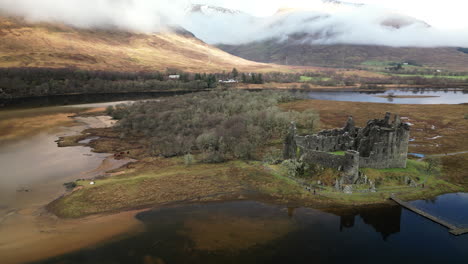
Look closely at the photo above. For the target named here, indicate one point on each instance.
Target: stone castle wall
(381, 144)
(348, 163)
(326, 143)
(390, 151)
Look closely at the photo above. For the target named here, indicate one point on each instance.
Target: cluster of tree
(252, 78)
(31, 82)
(221, 125)
(464, 50)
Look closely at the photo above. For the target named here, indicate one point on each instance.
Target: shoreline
(108, 142)
(102, 226)
(31, 233)
(406, 96)
(295, 194)
(266, 86)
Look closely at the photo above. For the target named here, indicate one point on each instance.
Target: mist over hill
(144, 34)
(329, 23)
(325, 37)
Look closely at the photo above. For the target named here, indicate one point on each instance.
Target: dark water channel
(452, 96)
(61, 100)
(253, 232)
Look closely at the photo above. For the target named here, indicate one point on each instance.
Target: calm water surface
(253, 232)
(441, 97)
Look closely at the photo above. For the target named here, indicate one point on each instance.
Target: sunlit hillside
(25, 44)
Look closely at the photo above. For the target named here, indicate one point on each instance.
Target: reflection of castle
(385, 220)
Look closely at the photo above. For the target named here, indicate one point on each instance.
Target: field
(308, 79)
(430, 76)
(436, 129)
(160, 181)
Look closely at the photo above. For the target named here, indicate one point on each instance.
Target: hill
(25, 44)
(325, 36)
(347, 55)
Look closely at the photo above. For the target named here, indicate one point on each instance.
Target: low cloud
(136, 15)
(359, 25)
(351, 25)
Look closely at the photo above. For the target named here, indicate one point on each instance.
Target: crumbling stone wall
(348, 164)
(330, 140)
(290, 145)
(381, 144)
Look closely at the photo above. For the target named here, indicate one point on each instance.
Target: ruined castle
(381, 144)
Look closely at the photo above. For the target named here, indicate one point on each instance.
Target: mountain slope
(296, 53)
(26, 44)
(326, 36)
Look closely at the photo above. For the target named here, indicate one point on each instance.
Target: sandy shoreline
(29, 233)
(39, 235)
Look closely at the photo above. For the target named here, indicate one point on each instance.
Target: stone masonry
(381, 144)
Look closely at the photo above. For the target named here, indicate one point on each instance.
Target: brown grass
(448, 121)
(54, 45)
(160, 181)
(456, 169)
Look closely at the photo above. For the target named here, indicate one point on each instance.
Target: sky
(343, 24)
(446, 14)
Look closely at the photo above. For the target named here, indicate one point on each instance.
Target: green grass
(313, 79)
(416, 170)
(339, 153)
(384, 64)
(377, 63)
(428, 76)
(305, 79)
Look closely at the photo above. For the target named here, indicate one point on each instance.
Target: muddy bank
(33, 234)
(27, 231)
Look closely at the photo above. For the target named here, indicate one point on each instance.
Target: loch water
(414, 96)
(254, 232)
(238, 231)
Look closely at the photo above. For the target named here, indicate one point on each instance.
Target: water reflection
(416, 96)
(252, 232)
(384, 220)
(452, 207)
(59, 100)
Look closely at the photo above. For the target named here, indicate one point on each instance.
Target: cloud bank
(348, 24)
(320, 23)
(136, 15)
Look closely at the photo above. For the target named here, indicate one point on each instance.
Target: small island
(405, 96)
(238, 145)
